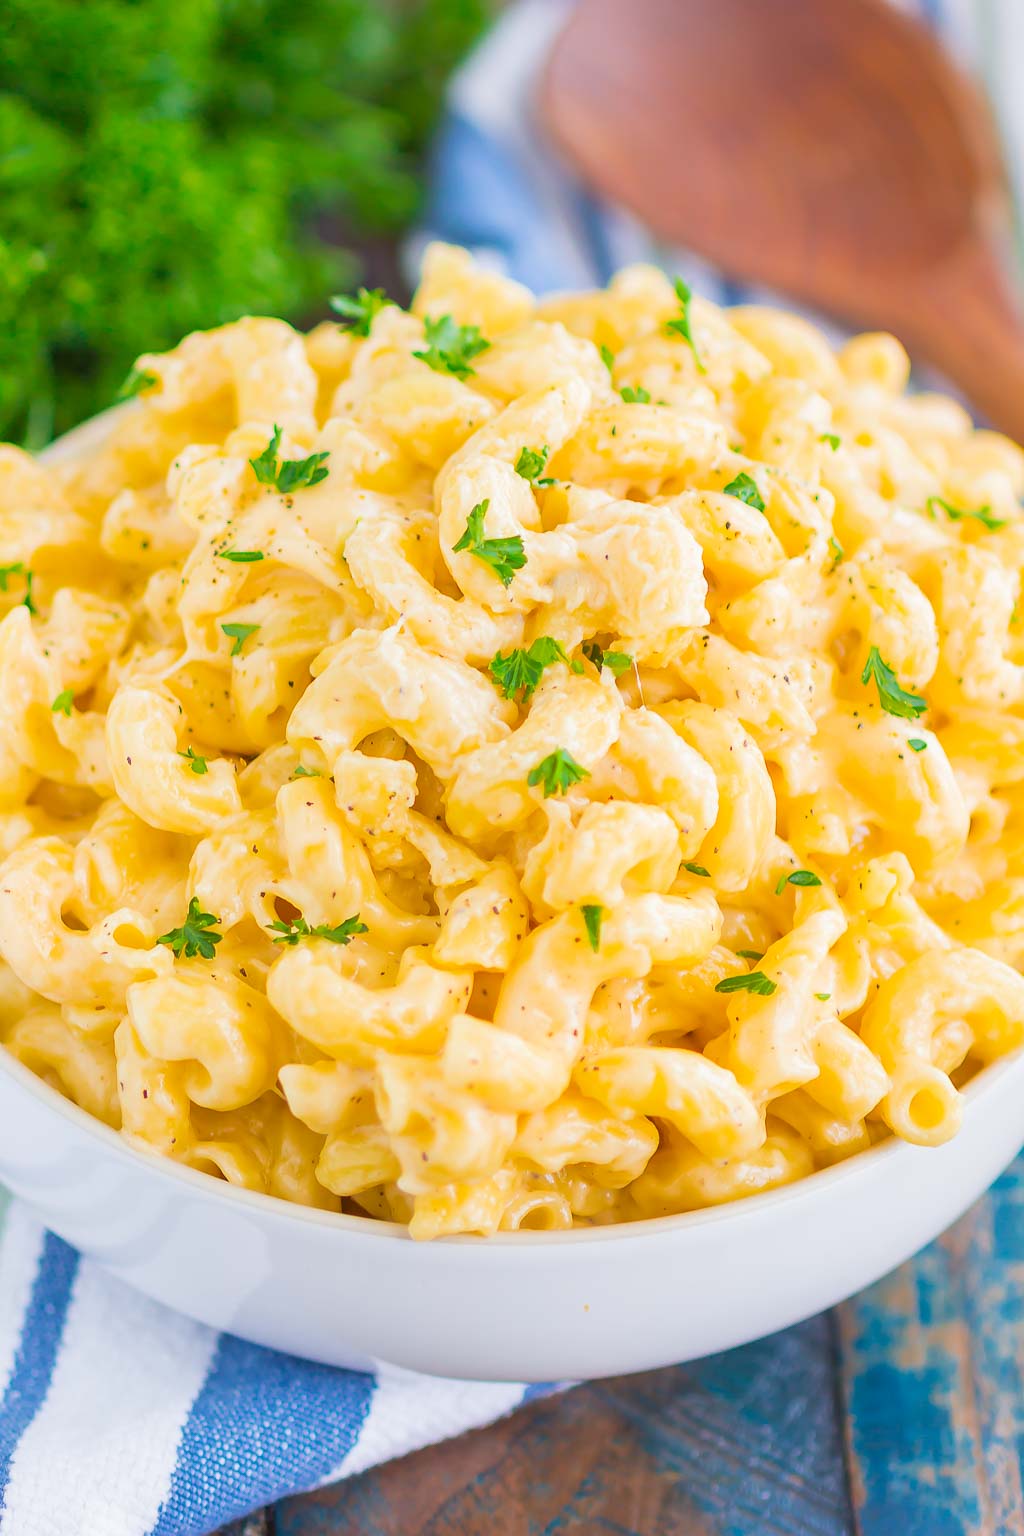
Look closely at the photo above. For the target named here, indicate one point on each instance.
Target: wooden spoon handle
(967, 322)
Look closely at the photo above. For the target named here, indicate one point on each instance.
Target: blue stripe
(41, 1333)
(481, 197)
(733, 292)
(263, 1426)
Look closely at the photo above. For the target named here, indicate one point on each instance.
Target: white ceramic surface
(527, 1306)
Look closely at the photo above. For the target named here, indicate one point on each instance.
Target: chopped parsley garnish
(298, 928)
(195, 936)
(744, 488)
(838, 553)
(557, 772)
(798, 877)
(916, 744)
(681, 326)
(751, 954)
(239, 633)
(504, 556)
(894, 699)
(530, 465)
(287, 475)
(617, 662)
(18, 568)
(450, 346)
(62, 703)
(520, 671)
(241, 556)
(754, 981)
(981, 515)
(137, 383)
(823, 997)
(635, 394)
(592, 918)
(832, 438)
(195, 762)
(302, 772)
(607, 357)
(359, 310)
(698, 869)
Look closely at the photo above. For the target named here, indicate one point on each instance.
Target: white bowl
(526, 1306)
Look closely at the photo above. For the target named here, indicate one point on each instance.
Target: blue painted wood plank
(745, 1444)
(932, 1381)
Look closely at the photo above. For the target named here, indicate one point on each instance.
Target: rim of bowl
(88, 433)
(214, 1189)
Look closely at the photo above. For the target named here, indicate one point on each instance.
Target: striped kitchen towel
(117, 1417)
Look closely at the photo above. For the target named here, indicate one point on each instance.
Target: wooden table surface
(901, 1413)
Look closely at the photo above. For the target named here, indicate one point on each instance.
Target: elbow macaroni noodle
(558, 763)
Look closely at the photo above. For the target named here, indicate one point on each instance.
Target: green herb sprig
(753, 981)
(195, 936)
(358, 310)
(288, 475)
(341, 933)
(681, 325)
(557, 772)
(744, 488)
(450, 348)
(504, 556)
(893, 699)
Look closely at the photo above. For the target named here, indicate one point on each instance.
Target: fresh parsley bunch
(172, 164)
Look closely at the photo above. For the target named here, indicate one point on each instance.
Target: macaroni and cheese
(514, 763)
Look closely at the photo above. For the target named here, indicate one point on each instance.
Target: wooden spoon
(832, 152)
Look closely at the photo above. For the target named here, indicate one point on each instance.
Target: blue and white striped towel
(118, 1418)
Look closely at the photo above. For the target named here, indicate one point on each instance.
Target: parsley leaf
(751, 954)
(62, 703)
(798, 877)
(239, 633)
(530, 465)
(617, 662)
(744, 488)
(241, 556)
(823, 997)
(982, 515)
(195, 762)
(635, 394)
(359, 311)
(19, 569)
(557, 772)
(195, 936)
(302, 772)
(754, 981)
(681, 326)
(592, 918)
(832, 438)
(287, 475)
(838, 553)
(520, 671)
(504, 556)
(698, 869)
(450, 346)
(894, 699)
(298, 928)
(607, 357)
(916, 744)
(137, 383)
